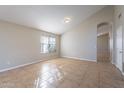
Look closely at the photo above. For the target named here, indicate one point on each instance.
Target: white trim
(118, 68)
(100, 34)
(123, 73)
(14, 67)
(79, 58)
(112, 62)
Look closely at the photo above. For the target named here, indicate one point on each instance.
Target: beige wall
(21, 45)
(81, 41)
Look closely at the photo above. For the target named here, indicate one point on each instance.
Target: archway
(104, 31)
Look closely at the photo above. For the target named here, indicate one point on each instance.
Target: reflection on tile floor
(63, 73)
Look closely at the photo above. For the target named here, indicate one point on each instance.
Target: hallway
(63, 73)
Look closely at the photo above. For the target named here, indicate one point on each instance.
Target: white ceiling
(46, 17)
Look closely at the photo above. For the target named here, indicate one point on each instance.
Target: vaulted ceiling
(50, 18)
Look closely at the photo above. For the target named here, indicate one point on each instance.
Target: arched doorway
(104, 42)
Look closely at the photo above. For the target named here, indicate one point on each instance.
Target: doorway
(103, 51)
(103, 42)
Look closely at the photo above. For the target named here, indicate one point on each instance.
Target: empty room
(61, 46)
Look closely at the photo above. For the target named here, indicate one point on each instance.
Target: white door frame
(119, 51)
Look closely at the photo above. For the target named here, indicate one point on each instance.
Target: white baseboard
(118, 68)
(14, 67)
(79, 58)
(123, 73)
(22, 65)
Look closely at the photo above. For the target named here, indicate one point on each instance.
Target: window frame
(48, 45)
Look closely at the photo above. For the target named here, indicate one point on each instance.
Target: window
(48, 44)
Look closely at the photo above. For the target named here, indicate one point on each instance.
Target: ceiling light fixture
(67, 20)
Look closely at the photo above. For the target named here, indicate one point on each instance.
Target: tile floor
(63, 73)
